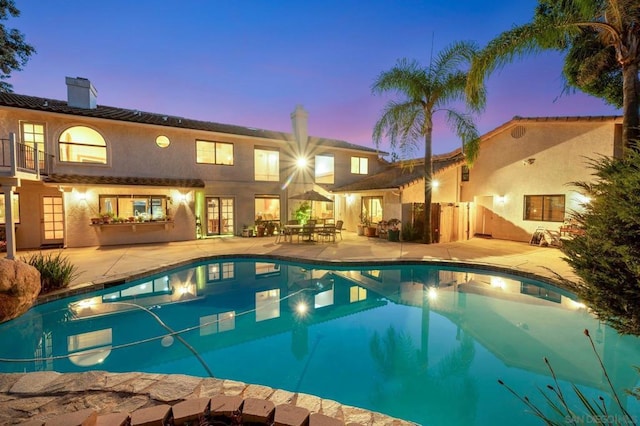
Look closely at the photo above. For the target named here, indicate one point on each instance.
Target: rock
(19, 288)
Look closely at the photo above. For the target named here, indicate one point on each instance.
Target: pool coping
(114, 281)
(39, 396)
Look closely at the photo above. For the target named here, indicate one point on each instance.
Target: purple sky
(250, 63)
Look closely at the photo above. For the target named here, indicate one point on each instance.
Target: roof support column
(9, 220)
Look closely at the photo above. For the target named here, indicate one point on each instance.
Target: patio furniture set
(311, 231)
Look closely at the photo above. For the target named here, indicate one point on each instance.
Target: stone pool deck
(45, 395)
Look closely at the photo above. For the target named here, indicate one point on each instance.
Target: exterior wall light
(80, 196)
(182, 198)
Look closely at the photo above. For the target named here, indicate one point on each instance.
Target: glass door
(219, 220)
(52, 220)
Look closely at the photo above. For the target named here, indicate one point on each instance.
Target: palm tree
(426, 91)
(562, 25)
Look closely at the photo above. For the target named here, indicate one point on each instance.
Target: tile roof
(397, 175)
(113, 180)
(561, 119)
(135, 116)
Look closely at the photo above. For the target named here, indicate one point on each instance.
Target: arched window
(80, 144)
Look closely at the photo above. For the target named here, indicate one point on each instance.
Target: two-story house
(75, 173)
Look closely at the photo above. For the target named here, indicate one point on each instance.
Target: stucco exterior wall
(132, 152)
(543, 161)
(29, 230)
(81, 204)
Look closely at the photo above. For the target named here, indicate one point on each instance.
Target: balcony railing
(26, 157)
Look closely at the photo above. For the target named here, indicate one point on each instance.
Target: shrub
(55, 271)
(410, 233)
(607, 256)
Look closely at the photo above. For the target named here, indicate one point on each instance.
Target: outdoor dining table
(289, 230)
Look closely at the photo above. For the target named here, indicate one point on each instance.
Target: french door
(52, 220)
(219, 220)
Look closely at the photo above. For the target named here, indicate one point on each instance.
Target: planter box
(393, 235)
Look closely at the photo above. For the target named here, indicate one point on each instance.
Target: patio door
(52, 221)
(219, 216)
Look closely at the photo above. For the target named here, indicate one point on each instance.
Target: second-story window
(359, 165)
(324, 169)
(464, 173)
(80, 144)
(266, 165)
(32, 134)
(214, 153)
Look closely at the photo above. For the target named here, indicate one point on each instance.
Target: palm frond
(400, 123)
(406, 78)
(453, 57)
(462, 124)
(515, 43)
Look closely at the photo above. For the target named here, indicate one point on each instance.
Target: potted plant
(108, 218)
(246, 231)
(364, 223)
(260, 229)
(393, 230)
(371, 230)
(270, 228)
(303, 213)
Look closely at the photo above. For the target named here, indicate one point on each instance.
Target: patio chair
(338, 229)
(286, 232)
(307, 231)
(327, 232)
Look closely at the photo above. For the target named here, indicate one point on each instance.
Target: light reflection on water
(418, 342)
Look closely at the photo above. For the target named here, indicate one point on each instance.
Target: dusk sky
(249, 63)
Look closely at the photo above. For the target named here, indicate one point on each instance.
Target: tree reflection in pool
(414, 341)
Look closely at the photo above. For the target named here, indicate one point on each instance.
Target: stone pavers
(102, 398)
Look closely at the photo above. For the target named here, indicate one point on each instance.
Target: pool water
(422, 343)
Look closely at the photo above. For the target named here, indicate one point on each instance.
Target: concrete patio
(98, 266)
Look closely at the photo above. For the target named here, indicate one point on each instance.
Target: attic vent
(518, 132)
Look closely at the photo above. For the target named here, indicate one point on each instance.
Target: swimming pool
(414, 341)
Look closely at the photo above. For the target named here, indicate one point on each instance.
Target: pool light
(302, 308)
(432, 293)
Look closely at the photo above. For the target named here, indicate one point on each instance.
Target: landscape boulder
(19, 288)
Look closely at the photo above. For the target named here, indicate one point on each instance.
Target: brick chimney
(81, 93)
(299, 119)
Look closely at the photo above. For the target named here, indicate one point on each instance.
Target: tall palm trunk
(631, 90)
(428, 177)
